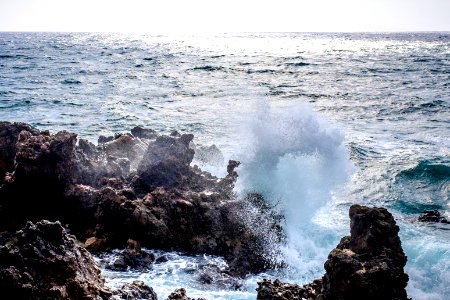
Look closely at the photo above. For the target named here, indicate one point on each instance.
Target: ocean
(319, 121)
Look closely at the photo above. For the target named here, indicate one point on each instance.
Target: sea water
(319, 122)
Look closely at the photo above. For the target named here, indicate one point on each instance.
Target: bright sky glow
(161, 16)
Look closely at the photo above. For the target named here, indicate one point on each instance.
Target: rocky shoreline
(62, 199)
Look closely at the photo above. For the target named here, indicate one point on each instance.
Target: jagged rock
(93, 191)
(45, 165)
(134, 291)
(87, 148)
(134, 257)
(432, 216)
(180, 294)
(277, 290)
(42, 261)
(104, 139)
(144, 133)
(9, 134)
(124, 146)
(368, 264)
(166, 163)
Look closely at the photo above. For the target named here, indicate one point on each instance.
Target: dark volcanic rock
(134, 257)
(166, 163)
(42, 262)
(180, 294)
(45, 165)
(277, 290)
(218, 278)
(144, 133)
(368, 264)
(9, 134)
(135, 290)
(432, 216)
(129, 187)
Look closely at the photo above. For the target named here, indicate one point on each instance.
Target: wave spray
(295, 159)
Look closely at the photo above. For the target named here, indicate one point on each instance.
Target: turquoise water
(320, 121)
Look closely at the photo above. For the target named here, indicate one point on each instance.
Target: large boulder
(368, 264)
(42, 261)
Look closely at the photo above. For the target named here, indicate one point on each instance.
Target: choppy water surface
(320, 121)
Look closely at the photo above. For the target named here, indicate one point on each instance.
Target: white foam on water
(295, 159)
(428, 265)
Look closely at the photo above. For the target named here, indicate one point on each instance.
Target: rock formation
(42, 261)
(180, 294)
(140, 187)
(368, 264)
(134, 291)
(432, 216)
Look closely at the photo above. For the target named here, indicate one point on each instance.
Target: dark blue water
(327, 119)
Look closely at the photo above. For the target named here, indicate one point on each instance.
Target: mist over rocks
(139, 187)
(140, 190)
(368, 264)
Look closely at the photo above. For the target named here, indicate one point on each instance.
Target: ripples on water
(389, 94)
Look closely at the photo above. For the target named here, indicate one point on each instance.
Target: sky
(165, 16)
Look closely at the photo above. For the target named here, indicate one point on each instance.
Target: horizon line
(220, 32)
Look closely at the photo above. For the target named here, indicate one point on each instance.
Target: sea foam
(295, 159)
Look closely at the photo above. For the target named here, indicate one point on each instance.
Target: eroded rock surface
(180, 294)
(368, 264)
(42, 261)
(432, 216)
(137, 290)
(138, 186)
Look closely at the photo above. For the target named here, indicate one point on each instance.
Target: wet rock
(93, 191)
(218, 278)
(42, 261)
(134, 291)
(144, 133)
(161, 259)
(180, 294)
(368, 264)
(271, 290)
(432, 216)
(132, 257)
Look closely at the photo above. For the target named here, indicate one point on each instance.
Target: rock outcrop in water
(368, 264)
(138, 186)
(134, 291)
(432, 216)
(180, 294)
(132, 257)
